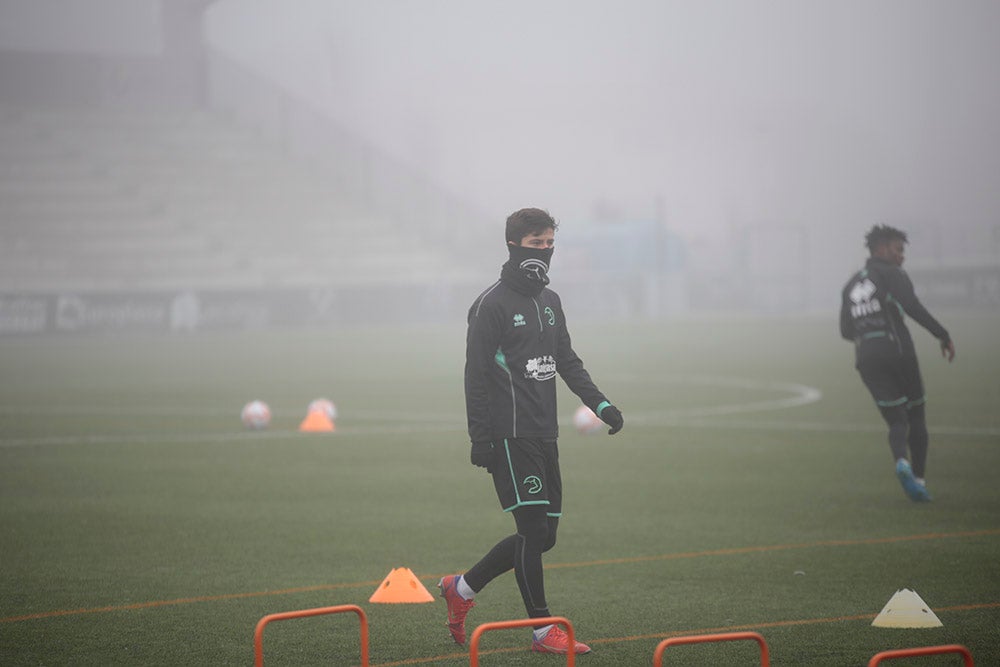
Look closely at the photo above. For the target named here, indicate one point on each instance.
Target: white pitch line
(800, 395)
(401, 423)
(654, 420)
(459, 431)
(185, 438)
(134, 411)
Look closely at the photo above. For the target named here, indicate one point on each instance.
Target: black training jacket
(872, 306)
(516, 345)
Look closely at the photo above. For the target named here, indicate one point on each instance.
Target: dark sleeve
(571, 369)
(901, 289)
(846, 321)
(481, 345)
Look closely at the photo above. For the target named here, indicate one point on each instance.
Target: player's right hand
(948, 349)
(482, 455)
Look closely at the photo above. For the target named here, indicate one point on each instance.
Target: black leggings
(908, 431)
(521, 552)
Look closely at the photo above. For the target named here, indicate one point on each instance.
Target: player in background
(517, 343)
(871, 316)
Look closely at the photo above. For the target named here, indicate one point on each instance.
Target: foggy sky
(712, 113)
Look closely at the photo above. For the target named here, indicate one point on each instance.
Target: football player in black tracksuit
(871, 316)
(517, 343)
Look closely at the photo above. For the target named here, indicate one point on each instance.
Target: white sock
(464, 589)
(541, 632)
(920, 481)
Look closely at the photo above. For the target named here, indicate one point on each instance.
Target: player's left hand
(612, 416)
(948, 350)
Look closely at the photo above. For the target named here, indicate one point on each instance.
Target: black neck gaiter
(527, 269)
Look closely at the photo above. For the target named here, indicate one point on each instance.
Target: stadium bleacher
(105, 200)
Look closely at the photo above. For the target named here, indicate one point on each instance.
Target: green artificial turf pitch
(751, 489)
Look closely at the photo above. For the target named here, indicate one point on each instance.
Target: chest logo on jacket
(861, 299)
(519, 320)
(540, 368)
(551, 315)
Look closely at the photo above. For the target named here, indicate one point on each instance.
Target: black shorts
(526, 472)
(893, 380)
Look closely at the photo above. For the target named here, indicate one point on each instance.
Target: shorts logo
(533, 483)
(540, 368)
(519, 320)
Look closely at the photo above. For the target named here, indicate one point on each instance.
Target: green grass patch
(142, 525)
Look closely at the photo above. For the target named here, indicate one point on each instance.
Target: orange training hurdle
(258, 635)
(765, 659)
(521, 623)
(926, 650)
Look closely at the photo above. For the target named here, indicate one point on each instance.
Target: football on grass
(586, 421)
(256, 415)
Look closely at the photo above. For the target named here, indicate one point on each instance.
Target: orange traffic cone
(317, 421)
(401, 585)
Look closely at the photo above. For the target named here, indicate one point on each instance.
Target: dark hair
(880, 234)
(528, 222)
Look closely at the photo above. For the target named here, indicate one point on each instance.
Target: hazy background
(708, 113)
(699, 155)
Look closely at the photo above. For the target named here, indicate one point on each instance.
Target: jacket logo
(519, 320)
(540, 368)
(551, 315)
(861, 298)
